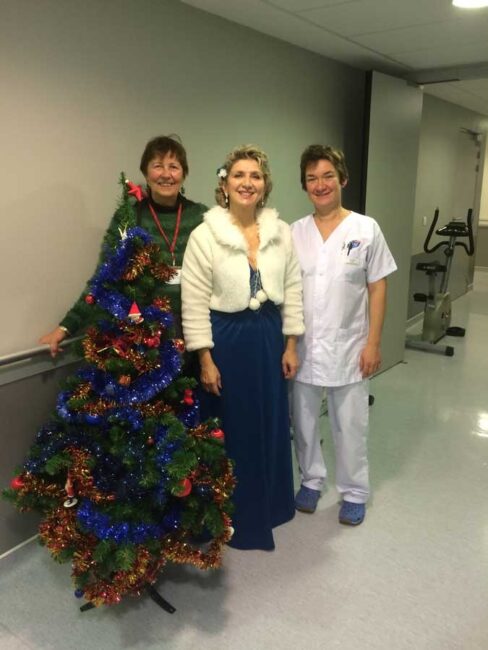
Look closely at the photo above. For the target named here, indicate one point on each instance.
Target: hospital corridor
(413, 576)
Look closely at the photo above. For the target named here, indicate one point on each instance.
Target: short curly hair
(316, 152)
(245, 152)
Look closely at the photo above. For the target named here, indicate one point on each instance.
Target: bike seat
(454, 229)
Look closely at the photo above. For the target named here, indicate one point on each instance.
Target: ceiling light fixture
(470, 4)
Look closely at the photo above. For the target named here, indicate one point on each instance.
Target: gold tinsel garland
(162, 303)
(163, 272)
(147, 257)
(98, 348)
(155, 409)
(59, 532)
(82, 478)
(38, 487)
(99, 406)
(139, 262)
(80, 475)
(133, 581)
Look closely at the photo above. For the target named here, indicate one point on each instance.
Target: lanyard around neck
(171, 246)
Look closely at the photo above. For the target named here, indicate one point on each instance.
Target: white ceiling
(422, 40)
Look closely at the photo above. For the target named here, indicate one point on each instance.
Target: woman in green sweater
(165, 213)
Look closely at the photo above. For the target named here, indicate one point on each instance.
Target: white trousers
(348, 417)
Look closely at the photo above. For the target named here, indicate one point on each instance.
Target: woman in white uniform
(344, 261)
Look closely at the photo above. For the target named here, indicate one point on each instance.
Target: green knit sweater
(81, 314)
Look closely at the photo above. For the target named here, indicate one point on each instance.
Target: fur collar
(227, 233)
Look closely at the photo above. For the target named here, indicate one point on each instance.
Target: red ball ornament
(218, 434)
(152, 341)
(179, 344)
(89, 299)
(150, 441)
(188, 400)
(184, 488)
(17, 483)
(188, 392)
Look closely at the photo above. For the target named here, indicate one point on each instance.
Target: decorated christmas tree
(125, 476)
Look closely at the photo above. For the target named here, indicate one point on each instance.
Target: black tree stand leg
(86, 607)
(159, 600)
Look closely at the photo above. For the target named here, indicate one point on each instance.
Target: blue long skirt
(253, 407)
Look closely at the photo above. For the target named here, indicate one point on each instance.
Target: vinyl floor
(414, 576)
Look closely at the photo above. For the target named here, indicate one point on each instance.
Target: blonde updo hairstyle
(245, 152)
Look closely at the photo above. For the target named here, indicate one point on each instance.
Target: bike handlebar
(469, 226)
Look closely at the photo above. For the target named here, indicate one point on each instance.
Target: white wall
(394, 124)
(482, 250)
(438, 177)
(447, 179)
(481, 257)
(86, 84)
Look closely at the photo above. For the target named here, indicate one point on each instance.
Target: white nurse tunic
(335, 275)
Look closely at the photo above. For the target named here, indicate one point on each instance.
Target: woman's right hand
(53, 339)
(209, 373)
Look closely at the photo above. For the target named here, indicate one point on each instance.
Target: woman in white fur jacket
(242, 311)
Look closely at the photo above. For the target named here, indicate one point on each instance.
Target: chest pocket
(352, 267)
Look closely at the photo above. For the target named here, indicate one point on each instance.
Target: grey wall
(24, 406)
(439, 163)
(446, 178)
(482, 251)
(86, 84)
(395, 115)
(481, 256)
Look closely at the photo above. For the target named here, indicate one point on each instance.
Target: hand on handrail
(53, 339)
(32, 352)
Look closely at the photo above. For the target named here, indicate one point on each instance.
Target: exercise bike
(437, 310)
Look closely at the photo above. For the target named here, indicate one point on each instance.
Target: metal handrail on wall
(32, 352)
(20, 365)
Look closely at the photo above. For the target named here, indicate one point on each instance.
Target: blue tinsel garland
(112, 269)
(110, 474)
(140, 391)
(105, 528)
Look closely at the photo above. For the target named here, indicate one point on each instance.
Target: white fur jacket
(215, 274)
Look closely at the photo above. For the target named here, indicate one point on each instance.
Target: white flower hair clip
(222, 172)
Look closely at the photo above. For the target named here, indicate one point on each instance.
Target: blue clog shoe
(352, 514)
(306, 499)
